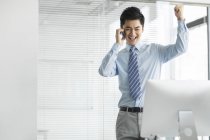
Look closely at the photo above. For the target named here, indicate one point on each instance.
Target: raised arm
(170, 51)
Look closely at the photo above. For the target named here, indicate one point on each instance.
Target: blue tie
(133, 75)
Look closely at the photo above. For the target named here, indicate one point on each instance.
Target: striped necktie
(133, 74)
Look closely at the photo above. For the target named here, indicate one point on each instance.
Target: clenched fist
(179, 11)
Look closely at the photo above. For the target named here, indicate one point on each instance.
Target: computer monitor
(165, 99)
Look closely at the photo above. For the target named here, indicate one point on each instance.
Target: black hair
(131, 13)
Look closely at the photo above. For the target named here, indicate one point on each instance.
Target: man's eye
(127, 29)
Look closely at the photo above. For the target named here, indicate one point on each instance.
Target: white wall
(18, 46)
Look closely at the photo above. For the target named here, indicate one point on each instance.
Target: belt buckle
(127, 109)
(132, 109)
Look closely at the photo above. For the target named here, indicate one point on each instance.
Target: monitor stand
(187, 129)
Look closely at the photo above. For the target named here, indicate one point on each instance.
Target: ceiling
(191, 2)
(48, 8)
(93, 7)
(76, 7)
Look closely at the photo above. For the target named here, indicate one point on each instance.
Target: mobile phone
(123, 35)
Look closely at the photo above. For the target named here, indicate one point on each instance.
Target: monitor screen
(165, 98)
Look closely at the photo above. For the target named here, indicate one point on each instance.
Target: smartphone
(123, 35)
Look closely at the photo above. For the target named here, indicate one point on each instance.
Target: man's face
(133, 30)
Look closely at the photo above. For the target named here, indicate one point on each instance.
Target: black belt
(132, 109)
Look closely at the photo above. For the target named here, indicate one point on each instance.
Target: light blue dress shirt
(150, 59)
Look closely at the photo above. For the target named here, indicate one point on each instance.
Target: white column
(18, 79)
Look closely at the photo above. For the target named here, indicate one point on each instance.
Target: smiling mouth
(132, 38)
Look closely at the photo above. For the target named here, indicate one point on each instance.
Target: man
(137, 63)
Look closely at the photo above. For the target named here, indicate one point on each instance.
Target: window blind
(74, 101)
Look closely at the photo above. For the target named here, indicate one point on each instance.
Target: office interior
(50, 54)
(75, 36)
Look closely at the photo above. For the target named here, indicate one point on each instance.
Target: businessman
(137, 63)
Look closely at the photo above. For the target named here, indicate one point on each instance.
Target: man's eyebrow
(131, 27)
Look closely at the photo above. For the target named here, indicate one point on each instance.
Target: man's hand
(179, 10)
(119, 37)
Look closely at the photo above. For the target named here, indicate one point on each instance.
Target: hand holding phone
(120, 36)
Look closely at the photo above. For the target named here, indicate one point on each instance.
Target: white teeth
(132, 38)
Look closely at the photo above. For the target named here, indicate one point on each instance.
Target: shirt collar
(138, 46)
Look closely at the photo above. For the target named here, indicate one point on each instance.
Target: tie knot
(132, 49)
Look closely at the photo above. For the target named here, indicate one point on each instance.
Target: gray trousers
(128, 127)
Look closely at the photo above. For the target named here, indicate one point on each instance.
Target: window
(194, 64)
(74, 101)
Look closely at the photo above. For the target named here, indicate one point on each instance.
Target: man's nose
(132, 32)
